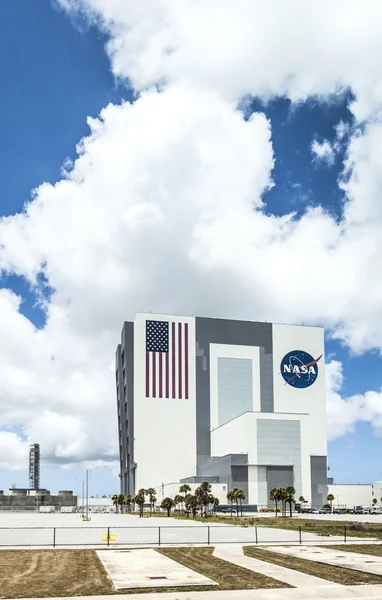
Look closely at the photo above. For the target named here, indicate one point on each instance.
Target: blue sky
(55, 75)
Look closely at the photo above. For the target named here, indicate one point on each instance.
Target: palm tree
(167, 504)
(184, 489)
(330, 499)
(192, 504)
(375, 501)
(140, 500)
(215, 502)
(128, 500)
(179, 500)
(152, 498)
(282, 497)
(240, 495)
(121, 501)
(273, 497)
(290, 497)
(236, 499)
(231, 498)
(115, 501)
(203, 493)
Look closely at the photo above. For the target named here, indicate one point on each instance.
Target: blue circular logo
(299, 369)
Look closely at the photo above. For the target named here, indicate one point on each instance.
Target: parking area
(68, 530)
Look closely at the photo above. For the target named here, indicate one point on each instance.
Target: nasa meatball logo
(299, 369)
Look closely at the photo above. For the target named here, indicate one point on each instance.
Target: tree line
(201, 500)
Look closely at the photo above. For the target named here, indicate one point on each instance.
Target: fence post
(257, 541)
(54, 537)
(299, 533)
(108, 537)
(159, 536)
(209, 535)
(345, 534)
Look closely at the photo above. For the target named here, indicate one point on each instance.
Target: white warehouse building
(240, 404)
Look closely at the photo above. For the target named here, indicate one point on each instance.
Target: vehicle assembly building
(239, 403)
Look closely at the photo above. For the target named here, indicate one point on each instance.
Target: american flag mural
(167, 359)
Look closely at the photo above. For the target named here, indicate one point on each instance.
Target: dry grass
(55, 573)
(325, 527)
(309, 567)
(49, 573)
(371, 549)
(226, 574)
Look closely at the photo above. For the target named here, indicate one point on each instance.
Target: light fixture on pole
(87, 489)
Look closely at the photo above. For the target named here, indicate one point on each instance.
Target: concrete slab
(337, 558)
(147, 568)
(356, 592)
(235, 555)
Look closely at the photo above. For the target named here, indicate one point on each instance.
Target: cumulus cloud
(343, 413)
(296, 49)
(323, 152)
(163, 208)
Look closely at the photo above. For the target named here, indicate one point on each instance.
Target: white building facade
(240, 404)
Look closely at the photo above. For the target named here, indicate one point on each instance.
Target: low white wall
(351, 494)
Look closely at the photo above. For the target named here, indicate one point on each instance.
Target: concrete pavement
(356, 592)
(235, 555)
(339, 558)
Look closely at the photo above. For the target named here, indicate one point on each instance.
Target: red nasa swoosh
(311, 364)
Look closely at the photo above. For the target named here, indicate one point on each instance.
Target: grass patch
(56, 573)
(372, 549)
(226, 574)
(309, 567)
(327, 527)
(323, 527)
(50, 573)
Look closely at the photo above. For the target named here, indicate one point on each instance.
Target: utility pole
(87, 496)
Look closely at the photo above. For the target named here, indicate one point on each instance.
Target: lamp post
(87, 489)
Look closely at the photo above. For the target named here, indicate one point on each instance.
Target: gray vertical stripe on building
(319, 480)
(125, 377)
(266, 382)
(235, 388)
(221, 331)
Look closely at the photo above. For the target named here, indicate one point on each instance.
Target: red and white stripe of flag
(167, 373)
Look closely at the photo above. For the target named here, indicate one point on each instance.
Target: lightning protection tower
(34, 466)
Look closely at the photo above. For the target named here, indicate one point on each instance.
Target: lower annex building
(232, 402)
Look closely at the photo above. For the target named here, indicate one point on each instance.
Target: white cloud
(260, 47)
(343, 413)
(341, 129)
(163, 209)
(323, 152)
(13, 451)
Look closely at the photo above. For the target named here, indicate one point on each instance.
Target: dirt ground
(47, 573)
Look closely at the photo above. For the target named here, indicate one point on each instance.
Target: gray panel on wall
(235, 388)
(319, 482)
(279, 477)
(279, 444)
(240, 479)
(126, 350)
(266, 382)
(223, 331)
(231, 469)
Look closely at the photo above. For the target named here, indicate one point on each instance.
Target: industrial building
(239, 403)
(22, 499)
